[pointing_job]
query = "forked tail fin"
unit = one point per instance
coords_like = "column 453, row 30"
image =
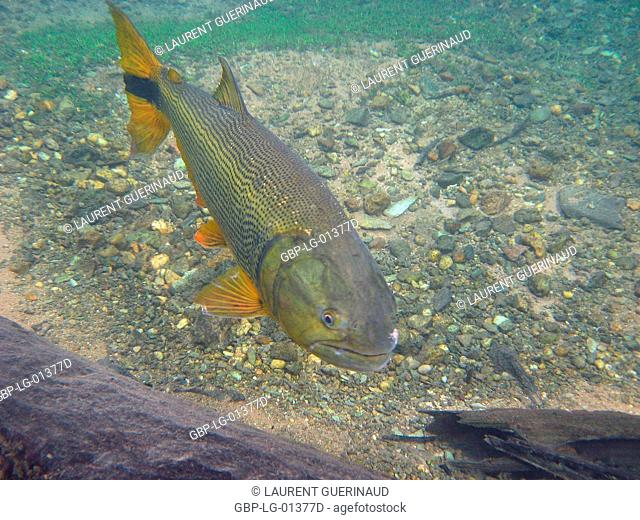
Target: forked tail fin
column 148, row 126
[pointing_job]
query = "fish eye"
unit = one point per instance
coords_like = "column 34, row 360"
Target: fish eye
column 329, row 318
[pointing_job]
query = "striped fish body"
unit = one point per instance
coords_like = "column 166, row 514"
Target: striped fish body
column 254, row 186
column 263, row 199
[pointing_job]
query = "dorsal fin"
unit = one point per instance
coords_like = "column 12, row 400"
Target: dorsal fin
column 228, row 92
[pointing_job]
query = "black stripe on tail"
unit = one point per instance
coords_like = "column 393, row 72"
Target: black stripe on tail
column 143, row 88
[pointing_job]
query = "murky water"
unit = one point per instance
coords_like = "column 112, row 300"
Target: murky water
column 489, row 153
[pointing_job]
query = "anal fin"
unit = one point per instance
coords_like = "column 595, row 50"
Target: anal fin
column 232, row 295
column 210, row 235
column 199, row 200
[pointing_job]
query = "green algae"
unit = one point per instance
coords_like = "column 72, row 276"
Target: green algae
column 58, row 58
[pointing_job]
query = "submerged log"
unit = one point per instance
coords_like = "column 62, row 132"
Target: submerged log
column 542, row 443
column 86, row 422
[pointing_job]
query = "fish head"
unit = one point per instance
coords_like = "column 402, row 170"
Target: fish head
column 334, row 302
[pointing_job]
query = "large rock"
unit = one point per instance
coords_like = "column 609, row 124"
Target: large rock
column 478, row 138
column 601, row 209
column 87, row 422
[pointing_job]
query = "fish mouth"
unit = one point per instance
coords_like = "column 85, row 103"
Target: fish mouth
column 343, row 357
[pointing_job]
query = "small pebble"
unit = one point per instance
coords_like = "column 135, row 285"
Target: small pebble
column 182, row 323
column 278, row 363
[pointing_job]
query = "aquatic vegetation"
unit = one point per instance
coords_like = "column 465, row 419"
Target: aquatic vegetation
column 63, row 52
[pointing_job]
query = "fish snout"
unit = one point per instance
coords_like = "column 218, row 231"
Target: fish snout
column 394, row 338
column 382, row 343
column 372, row 357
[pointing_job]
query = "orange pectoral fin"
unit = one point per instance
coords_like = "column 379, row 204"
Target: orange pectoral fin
column 210, row 235
column 232, row 295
